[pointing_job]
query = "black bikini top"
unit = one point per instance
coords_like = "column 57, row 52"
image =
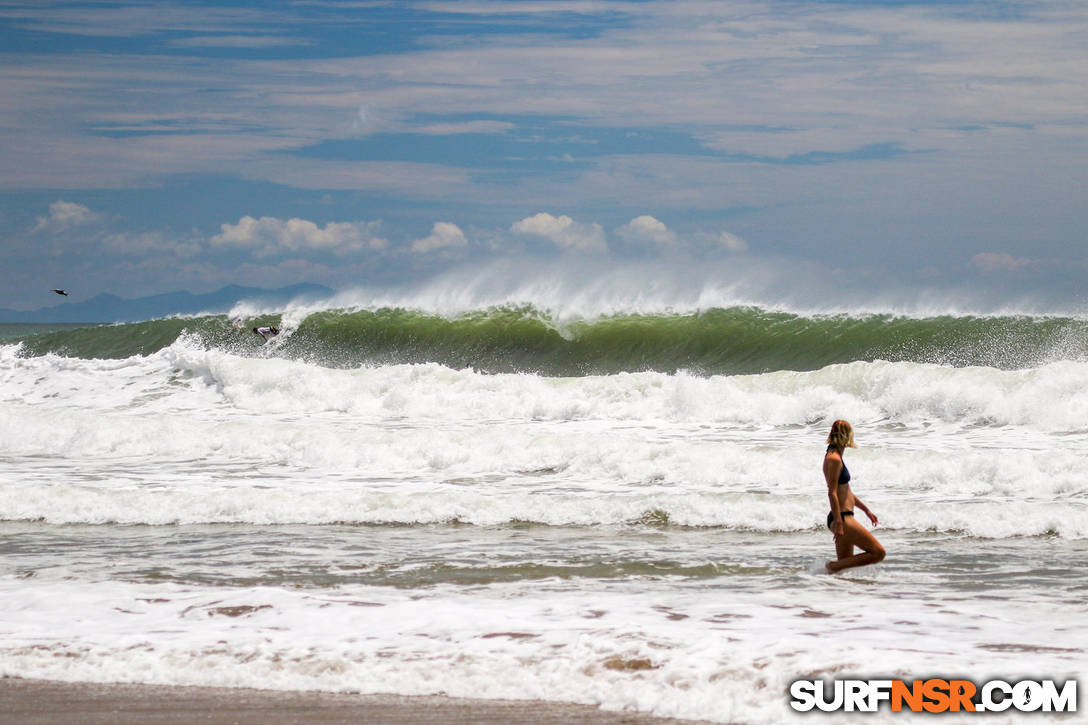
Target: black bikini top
column 844, row 474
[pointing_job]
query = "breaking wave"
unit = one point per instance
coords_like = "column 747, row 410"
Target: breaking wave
column 735, row 340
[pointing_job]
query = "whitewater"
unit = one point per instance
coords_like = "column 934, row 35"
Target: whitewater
column 621, row 508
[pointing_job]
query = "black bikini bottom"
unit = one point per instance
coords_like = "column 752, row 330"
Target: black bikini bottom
column 831, row 516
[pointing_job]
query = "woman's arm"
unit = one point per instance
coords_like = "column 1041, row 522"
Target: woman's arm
column 858, row 503
column 832, row 468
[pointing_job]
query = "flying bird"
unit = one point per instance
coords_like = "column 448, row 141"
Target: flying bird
column 60, row 292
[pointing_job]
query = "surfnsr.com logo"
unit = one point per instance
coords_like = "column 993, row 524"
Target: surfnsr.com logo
column 934, row 695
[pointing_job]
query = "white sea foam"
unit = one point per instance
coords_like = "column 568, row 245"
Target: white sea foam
column 726, row 656
column 279, row 441
column 361, row 503
column 1050, row 399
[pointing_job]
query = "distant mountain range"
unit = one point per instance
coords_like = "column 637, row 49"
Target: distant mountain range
column 111, row 308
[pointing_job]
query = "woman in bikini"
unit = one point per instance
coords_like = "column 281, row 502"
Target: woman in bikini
column 847, row 530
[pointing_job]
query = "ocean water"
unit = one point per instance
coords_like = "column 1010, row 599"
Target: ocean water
column 621, row 508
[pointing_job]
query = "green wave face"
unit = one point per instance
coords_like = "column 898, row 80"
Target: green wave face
column 720, row 341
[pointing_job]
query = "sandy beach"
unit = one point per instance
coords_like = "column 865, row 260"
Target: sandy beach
column 41, row 702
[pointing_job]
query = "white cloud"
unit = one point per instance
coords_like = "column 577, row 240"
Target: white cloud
column 64, row 215
column 127, row 20
column 732, row 242
column 451, row 129
column 421, row 181
column 991, row 262
column 236, row 41
column 268, row 236
column 126, row 243
column 646, row 231
column 444, row 235
column 563, row 232
column 505, row 8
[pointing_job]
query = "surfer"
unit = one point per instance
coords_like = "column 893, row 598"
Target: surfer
column 60, row 292
column 266, row 332
column 847, row 530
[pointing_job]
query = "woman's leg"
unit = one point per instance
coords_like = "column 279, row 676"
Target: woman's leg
column 854, row 534
column 843, row 546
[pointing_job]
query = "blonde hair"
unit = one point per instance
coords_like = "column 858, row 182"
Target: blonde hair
column 841, row 435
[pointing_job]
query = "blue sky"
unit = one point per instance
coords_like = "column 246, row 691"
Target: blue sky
column 929, row 146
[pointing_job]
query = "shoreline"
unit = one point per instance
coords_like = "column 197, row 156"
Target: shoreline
column 44, row 702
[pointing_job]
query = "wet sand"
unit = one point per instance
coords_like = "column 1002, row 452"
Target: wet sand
column 41, row 702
